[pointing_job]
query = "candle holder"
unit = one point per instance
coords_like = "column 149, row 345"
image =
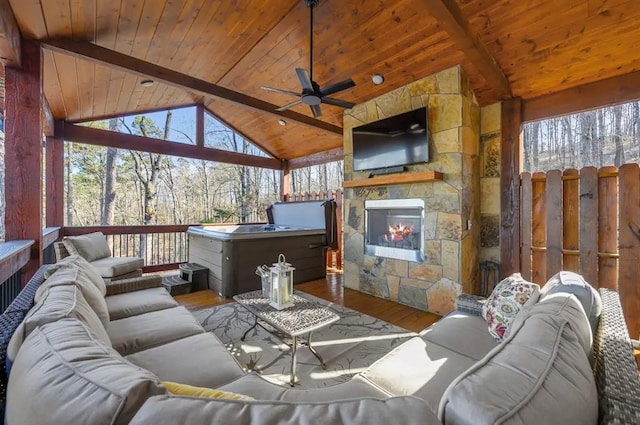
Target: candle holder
column 281, row 279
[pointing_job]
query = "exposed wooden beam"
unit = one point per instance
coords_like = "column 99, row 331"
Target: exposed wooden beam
column 23, row 153
column 319, row 158
column 511, row 117
column 48, row 123
column 94, row 136
column 450, row 17
column 54, row 166
column 139, row 67
column 285, row 181
column 200, row 125
column 611, row 91
column 10, row 38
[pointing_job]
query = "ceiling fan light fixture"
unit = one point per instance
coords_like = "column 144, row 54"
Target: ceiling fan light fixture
column 147, row 83
column 282, row 122
column 377, row 79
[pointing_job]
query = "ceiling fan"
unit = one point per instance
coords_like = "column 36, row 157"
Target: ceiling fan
column 311, row 93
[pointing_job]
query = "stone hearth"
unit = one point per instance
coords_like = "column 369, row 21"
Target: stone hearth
column 452, row 206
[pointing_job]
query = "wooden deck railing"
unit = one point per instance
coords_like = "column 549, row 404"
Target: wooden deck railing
column 587, row 221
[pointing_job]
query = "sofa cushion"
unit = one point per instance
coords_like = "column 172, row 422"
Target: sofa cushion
column 80, row 263
column 464, row 333
column 505, row 301
column 91, row 246
column 117, row 266
column 565, row 306
column 575, row 284
column 177, row 388
column 138, row 302
column 56, row 303
column 148, row 330
column 63, row 375
column 417, row 367
column 254, row 385
column 90, row 292
column 539, row 373
column 199, row 360
column 171, row 410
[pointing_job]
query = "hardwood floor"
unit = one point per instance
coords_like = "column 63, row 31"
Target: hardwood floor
column 331, row 289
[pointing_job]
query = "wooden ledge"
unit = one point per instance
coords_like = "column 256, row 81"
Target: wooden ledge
column 426, row 176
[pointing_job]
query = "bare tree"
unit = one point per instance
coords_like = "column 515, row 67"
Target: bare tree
column 106, row 218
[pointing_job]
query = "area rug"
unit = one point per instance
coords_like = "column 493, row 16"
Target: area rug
column 347, row 346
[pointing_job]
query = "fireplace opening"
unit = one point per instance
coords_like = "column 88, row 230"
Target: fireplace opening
column 394, row 229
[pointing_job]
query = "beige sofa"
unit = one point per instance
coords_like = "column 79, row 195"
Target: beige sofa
column 73, row 364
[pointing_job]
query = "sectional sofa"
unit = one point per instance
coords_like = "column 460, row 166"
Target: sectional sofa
column 81, row 352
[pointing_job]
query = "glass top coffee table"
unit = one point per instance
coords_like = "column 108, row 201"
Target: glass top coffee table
column 304, row 317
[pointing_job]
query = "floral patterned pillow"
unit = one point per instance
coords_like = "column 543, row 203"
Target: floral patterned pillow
column 506, row 300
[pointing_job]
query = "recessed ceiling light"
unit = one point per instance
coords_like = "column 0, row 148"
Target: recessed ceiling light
column 377, row 79
column 282, row 122
column 147, row 83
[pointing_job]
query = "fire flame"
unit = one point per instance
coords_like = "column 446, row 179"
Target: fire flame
column 398, row 232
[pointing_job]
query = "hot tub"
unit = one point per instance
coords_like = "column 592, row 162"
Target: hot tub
column 233, row 251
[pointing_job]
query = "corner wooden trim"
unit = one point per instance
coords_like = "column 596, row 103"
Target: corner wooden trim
column 426, row 176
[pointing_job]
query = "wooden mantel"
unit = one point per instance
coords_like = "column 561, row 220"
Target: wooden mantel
column 425, row 176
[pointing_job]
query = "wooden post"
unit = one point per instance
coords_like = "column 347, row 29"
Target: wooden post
column 285, row 181
column 54, row 182
column 510, row 187
column 23, row 153
column 199, row 125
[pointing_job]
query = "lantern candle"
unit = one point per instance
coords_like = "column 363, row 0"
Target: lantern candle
column 281, row 277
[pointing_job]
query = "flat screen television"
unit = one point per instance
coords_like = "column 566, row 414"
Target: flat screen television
column 391, row 142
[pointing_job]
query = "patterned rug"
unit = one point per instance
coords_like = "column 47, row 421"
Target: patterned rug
column 347, row 346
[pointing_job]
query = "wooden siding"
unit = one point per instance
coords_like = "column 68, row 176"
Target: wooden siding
column 585, row 221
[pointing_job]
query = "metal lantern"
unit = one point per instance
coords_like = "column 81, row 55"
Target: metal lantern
column 281, row 279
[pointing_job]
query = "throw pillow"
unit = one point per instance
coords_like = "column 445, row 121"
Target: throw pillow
column 506, row 300
column 573, row 283
column 202, row 392
column 92, row 246
column 81, row 264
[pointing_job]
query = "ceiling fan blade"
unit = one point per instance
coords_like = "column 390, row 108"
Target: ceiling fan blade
column 337, row 102
column 317, row 112
column 335, row 88
column 272, row 90
column 289, row 105
column 305, row 80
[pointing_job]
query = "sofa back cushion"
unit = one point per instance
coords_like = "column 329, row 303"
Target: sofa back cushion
column 79, row 263
column 171, row 410
column 58, row 302
column 82, row 280
column 573, row 283
column 64, row 375
column 539, row 373
column 92, row 246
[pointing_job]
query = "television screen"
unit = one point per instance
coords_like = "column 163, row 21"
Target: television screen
column 399, row 140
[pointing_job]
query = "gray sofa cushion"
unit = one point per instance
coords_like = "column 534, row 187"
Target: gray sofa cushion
column 464, row 333
column 171, row 410
column 539, row 371
column 81, row 279
column 148, row 330
column 419, row 368
column 254, row 385
column 117, row 266
column 58, row 302
column 91, row 246
column 80, row 263
column 138, row 302
column 200, row 360
column 63, row 375
column 573, row 283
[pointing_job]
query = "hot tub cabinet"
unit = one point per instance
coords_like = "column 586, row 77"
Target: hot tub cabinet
column 232, row 253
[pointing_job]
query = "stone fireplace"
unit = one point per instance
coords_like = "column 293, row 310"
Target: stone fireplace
column 394, row 229
column 417, row 242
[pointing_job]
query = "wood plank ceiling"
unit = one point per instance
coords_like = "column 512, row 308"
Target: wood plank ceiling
column 542, row 46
